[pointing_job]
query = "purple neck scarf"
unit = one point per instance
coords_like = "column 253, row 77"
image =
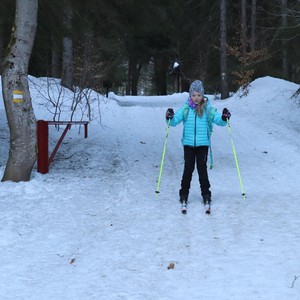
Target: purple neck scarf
column 191, row 103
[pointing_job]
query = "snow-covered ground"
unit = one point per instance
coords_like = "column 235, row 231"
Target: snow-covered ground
column 93, row 227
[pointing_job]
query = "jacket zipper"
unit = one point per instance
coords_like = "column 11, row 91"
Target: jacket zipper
column 195, row 130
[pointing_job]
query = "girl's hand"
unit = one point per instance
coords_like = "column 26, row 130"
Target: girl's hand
column 169, row 114
column 226, row 114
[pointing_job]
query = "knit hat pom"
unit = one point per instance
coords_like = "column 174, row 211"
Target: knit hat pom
column 197, row 86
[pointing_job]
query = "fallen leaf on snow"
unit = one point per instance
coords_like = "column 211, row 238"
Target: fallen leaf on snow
column 171, row 266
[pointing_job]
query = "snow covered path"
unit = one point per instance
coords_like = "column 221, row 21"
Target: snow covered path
column 93, row 228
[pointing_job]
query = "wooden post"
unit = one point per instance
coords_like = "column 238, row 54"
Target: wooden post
column 43, row 159
column 42, row 142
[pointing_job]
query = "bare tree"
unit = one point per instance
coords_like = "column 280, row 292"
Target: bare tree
column 16, row 95
column 223, row 39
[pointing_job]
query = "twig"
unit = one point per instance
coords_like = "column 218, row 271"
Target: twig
column 296, row 277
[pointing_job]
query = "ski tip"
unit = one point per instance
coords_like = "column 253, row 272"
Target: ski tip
column 156, row 192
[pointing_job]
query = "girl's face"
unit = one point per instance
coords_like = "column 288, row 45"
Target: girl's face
column 196, row 97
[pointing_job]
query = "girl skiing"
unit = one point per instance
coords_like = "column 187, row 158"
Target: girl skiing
column 198, row 117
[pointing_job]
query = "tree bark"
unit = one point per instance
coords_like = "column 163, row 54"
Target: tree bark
column 223, row 40
column 16, row 95
column 1, row 51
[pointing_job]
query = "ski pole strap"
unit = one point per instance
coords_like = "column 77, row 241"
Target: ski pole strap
column 162, row 158
column 236, row 161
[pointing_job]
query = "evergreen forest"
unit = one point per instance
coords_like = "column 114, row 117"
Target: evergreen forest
column 157, row 47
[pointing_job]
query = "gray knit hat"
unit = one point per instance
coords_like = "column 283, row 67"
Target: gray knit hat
column 197, row 86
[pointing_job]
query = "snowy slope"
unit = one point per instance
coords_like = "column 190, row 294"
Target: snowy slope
column 93, row 228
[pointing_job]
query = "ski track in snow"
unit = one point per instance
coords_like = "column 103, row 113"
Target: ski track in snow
column 93, row 228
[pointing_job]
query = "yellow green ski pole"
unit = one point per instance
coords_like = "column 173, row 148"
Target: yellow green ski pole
column 236, row 160
column 162, row 158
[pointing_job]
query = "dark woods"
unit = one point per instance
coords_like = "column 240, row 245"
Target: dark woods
column 158, row 46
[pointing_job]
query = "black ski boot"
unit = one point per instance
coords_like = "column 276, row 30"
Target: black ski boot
column 206, row 199
column 183, row 200
column 207, row 202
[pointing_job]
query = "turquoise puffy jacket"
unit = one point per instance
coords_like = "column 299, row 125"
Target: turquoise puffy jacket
column 196, row 129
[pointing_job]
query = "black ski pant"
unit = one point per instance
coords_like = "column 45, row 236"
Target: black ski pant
column 194, row 155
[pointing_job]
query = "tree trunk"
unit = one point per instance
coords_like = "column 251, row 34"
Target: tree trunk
column 129, row 77
column 16, row 95
column 284, row 45
column 243, row 27
column 223, row 40
column 67, row 59
column 253, row 24
column 1, row 51
column 160, row 77
column 134, row 72
column 55, row 59
column 135, row 78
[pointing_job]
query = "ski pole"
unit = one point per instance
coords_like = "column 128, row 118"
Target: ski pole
column 210, row 153
column 236, row 160
column 162, row 158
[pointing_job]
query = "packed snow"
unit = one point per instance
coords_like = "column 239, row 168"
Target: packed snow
column 94, row 228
